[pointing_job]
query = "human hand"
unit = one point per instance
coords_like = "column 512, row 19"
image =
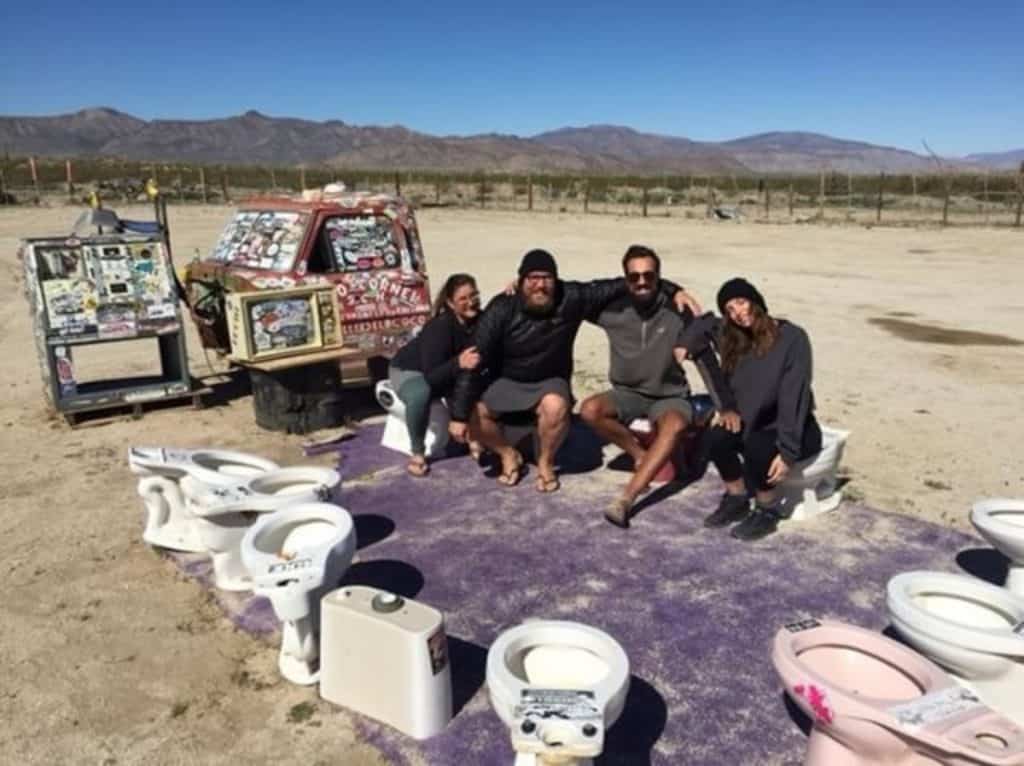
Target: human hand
column 684, row 300
column 511, row 287
column 729, row 420
column 469, row 358
column 458, row 431
column 680, row 354
column 778, row 470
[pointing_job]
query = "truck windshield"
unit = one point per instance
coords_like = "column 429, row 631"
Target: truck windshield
column 262, row 239
column 362, row 242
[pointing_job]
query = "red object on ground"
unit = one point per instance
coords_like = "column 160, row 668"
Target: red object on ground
column 678, row 465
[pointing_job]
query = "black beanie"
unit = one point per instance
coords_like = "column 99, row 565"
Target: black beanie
column 738, row 287
column 538, row 260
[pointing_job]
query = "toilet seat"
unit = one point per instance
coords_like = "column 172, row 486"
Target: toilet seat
column 536, row 708
column 909, row 711
column 293, row 557
column 209, row 465
column 289, row 548
column 267, row 492
column 904, row 589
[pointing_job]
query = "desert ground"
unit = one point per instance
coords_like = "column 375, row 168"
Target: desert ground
column 108, row 655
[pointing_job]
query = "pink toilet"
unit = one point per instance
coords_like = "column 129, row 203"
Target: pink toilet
column 874, row 701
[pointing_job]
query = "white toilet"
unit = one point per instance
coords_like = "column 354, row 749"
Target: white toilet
column 1001, row 522
column 169, row 523
column 811, row 487
column 396, row 434
column 971, row 628
column 294, row 556
column 558, row 686
column 224, row 513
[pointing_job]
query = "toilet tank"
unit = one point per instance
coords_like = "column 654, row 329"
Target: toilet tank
column 386, row 657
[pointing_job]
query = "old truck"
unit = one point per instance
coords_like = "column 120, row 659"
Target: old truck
column 366, row 246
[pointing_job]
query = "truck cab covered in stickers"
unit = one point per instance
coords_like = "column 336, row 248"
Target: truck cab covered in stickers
column 365, row 245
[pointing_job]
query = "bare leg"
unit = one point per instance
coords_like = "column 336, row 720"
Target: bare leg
column 552, row 428
column 485, row 428
column 764, row 497
column 599, row 413
column 670, row 427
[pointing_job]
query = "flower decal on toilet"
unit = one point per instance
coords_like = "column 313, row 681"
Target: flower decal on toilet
column 816, row 699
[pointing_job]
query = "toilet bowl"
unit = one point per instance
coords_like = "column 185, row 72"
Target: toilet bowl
column 974, row 630
column 293, row 557
column 169, row 523
column 683, row 459
column 224, row 513
column 1001, row 522
column 875, row 701
column 812, row 487
column 396, row 433
column 558, row 686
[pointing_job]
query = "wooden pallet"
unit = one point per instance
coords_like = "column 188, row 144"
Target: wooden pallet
column 136, row 409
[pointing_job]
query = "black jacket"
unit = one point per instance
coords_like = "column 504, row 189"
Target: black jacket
column 435, row 352
column 529, row 348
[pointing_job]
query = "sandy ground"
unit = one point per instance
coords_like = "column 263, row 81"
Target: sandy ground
column 108, row 656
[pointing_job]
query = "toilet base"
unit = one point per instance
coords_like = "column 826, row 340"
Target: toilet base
column 168, row 524
column 808, row 505
column 299, row 659
column 396, row 435
column 1015, row 579
column 229, row 573
column 173, row 539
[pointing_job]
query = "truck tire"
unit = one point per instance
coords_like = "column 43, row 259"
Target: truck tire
column 298, row 400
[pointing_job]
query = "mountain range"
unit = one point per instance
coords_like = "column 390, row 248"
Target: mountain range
column 255, row 138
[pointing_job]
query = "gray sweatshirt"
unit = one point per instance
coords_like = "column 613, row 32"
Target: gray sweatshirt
column 771, row 391
column 641, row 347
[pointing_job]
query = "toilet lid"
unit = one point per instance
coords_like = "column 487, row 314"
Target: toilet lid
column 980, row 603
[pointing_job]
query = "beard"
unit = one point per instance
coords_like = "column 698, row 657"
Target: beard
column 538, row 303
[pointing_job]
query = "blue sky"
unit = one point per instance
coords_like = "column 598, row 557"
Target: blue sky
column 892, row 73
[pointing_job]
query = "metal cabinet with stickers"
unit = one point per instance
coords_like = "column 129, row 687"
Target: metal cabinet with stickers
column 103, row 289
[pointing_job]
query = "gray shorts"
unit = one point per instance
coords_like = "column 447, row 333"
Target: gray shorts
column 630, row 405
column 504, row 395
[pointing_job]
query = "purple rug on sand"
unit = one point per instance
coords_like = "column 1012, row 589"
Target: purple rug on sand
column 694, row 609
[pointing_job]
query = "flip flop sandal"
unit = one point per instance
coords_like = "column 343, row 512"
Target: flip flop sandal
column 513, row 477
column 418, row 468
column 547, row 486
column 618, row 512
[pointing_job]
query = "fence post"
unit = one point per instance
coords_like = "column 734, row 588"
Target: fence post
column 1020, row 194
column 821, row 196
column 3, row 193
column 35, row 177
column 70, row 180
column 586, row 197
column 643, row 199
column 881, row 186
column 767, row 202
column 437, row 192
column 948, row 186
column 398, row 184
column 984, row 195
column 224, row 185
column 179, row 189
column 202, row 183
column 790, row 200
column 913, row 183
column 483, row 192
column 529, row 193
column 849, row 197
column 551, row 199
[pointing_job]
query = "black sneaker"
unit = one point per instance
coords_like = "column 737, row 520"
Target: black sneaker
column 760, row 523
column 731, row 508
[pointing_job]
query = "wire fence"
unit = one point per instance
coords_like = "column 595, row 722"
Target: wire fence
column 946, row 198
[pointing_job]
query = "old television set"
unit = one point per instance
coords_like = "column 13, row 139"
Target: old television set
column 268, row 324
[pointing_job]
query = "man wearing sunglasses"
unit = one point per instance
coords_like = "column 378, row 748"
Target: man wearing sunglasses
column 644, row 330
column 525, row 339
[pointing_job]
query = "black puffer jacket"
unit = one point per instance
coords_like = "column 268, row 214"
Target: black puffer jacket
column 529, row 348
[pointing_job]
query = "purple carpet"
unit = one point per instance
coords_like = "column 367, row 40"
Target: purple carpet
column 694, row 609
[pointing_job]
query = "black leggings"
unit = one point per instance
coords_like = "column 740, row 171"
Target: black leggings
column 758, row 449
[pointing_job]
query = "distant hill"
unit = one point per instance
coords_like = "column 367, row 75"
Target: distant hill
column 789, row 152
column 255, row 138
column 1011, row 160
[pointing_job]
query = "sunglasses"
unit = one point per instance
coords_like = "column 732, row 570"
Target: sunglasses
column 635, row 277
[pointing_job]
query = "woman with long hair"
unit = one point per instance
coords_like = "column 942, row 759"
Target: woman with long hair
column 425, row 368
column 767, row 363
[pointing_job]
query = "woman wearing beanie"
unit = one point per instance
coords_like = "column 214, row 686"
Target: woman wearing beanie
column 767, row 362
column 426, row 367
